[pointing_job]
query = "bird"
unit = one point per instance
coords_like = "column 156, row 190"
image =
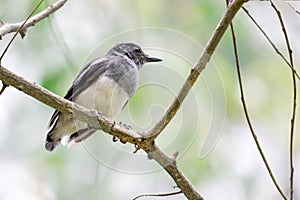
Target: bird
column 105, row 84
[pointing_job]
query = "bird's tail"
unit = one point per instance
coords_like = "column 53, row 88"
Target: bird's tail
column 69, row 140
column 79, row 136
column 51, row 144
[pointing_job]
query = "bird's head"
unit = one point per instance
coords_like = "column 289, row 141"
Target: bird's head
column 133, row 52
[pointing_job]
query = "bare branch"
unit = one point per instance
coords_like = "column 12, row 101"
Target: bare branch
column 290, row 52
column 248, row 117
column 10, row 28
column 157, row 195
column 297, row 11
column 4, row 86
column 272, row 44
column 20, row 30
column 195, row 71
column 170, row 166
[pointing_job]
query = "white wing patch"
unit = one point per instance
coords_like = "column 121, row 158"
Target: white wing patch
column 53, row 125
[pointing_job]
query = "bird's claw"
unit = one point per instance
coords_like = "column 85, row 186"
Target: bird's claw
column 115, row 138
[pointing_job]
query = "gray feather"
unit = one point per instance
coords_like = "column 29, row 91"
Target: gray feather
column 104, row 84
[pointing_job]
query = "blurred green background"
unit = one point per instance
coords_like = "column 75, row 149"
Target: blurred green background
column 216, row 151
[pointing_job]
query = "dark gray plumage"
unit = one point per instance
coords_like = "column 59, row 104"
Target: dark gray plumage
column 105, row 84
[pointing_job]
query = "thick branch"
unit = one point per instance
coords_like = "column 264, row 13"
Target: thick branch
column 195, row 72
column 170, row 166
column 10, row 28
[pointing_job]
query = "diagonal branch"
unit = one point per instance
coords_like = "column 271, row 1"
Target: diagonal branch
column 20, row 30
column 195, row 71
column 4, row 86
column 243, row 100
column 297, row 11
column 290, row 52
column 14, row 27
column 271, row 43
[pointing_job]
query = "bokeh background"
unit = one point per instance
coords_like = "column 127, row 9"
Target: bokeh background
column 216, row 150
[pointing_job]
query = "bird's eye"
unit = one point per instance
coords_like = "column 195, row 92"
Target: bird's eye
column 137, row 51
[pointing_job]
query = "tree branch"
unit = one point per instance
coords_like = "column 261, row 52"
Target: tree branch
column 14, row 27
column 20, row 30
column 297, row 11
column 243, row 100
column 170, row 166
column 157, row 195
column 195, row 71
column 271, row 43
column 4, row 86
column 293, row 118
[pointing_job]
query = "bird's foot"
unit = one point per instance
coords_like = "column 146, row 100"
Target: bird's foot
column 115, row 139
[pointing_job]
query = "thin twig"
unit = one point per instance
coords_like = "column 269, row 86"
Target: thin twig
column 21, row 29
column 14, row 27
column 248, row 117
column 157, row 195
column 290, row 52
column 297, row 11
column 195, row 72
column 4, row 86
column 272, row 44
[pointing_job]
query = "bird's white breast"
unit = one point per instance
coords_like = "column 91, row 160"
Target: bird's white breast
column 105, row 95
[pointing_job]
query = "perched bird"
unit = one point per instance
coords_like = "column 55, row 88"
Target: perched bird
column 105, row 84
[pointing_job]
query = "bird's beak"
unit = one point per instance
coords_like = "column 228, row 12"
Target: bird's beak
column 151, row 59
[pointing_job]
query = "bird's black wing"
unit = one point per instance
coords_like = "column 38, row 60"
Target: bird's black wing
column 85, row 78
